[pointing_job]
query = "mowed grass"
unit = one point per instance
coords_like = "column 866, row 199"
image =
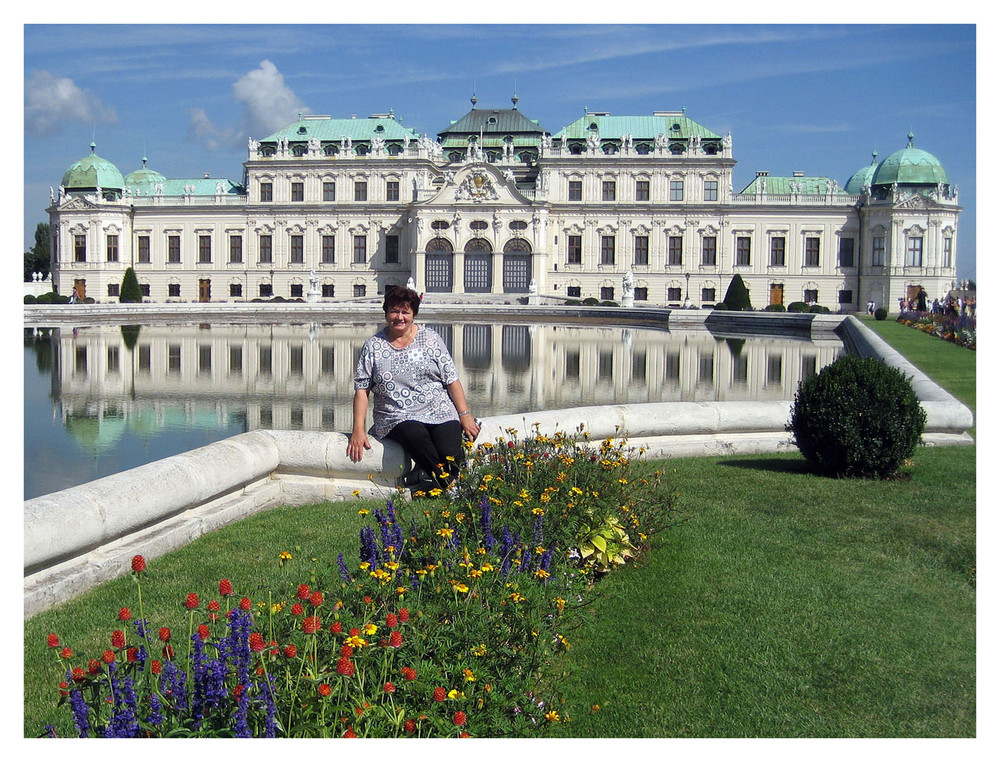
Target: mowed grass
column 785, row 605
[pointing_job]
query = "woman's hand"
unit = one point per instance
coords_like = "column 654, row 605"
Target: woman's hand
column 469, row 426
column 357, row 444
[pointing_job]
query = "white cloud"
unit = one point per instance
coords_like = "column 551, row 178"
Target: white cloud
column 268, row 103
column 50, row 102
column 202, row 130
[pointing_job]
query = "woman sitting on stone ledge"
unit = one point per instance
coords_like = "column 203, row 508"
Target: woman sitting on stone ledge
column 419, row 401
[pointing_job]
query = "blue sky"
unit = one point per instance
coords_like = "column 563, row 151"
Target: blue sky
column 812, row 97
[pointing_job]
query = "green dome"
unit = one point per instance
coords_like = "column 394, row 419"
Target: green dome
column 92, row 172
column 910, row 166
column 863, row 177
column 144, row 178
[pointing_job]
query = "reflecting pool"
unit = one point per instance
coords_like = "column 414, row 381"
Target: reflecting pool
column 102, row 399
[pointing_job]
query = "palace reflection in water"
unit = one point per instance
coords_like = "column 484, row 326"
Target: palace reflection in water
column 231, row 378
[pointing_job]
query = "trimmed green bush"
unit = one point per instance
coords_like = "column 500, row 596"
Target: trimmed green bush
column 592, row 301
column 30, row 299
column 130, row 291
column 774, row 308
column 881, row 314
column 737, row 296
column 858, row 417
column 721, row 306
column 819, row 309
column 798, row 307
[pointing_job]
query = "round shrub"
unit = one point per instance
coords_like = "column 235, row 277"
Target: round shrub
column 30, row 299
column 774, row 308
column 881, row 314
column 819, row 309
column 592, row 301
column 798, row 307
column 858, row 417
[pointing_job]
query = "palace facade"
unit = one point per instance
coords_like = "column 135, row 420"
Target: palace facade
column 607, row 207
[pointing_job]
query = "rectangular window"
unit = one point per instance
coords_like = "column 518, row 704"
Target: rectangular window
column 708, row 250
column 205, row 359
column 205, row 248
column 265, row 249
column 266, row 290
column 328, row 250
column 777, row 251
column 144, row 289
column 607, row 294
column 298, row 191
column 360, row 249
column 676, row 190
column 295, row 291
column 295, row 364
column 79, row 248
column 144, row 249
column 708, row 295
column 113, row 289
column 174, row 289
column 576, row 190
column 174, row 249
column 235, row 249
column 236, row 359
column 845, row 297
column 642, row 250
column 327, row 289
column 641, row 293
column 878, row 251
column 297, row 250
column 743, row 251
column 573, row 291
column 812, row 252
column 674, row 294
column 266, row 192
column 915, row 251
column 607, row 249
column 392, row 249
column 573, row 363
column 574, row 249
column 360, row 290
column 327, row 355
column 846, row 252
column 642, row 190
column 173, row 358
column 608, row 190
column 329, row 190
column 392, row 190
column 112, row 248
column 711, row 190
column 236, row 289
column 360, row 190
column 810, row 295
column 946, row 253
column 264, row 358
column 675, row 250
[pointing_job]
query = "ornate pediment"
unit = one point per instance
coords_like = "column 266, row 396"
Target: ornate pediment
column 76, row 204
column 478, row 184
column 916, row 201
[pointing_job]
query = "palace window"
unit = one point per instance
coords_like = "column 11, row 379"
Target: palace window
column 174, row 249
column 112, row 248
column 878, row 251
column 576, row 190
column 778, row 251
column 641, row 250
column 173, row 289
column 846, row 252
column 708, row 295
column 265, row 249
column 711, row 190
column 946, row 252
column 266, row 290
column 608, row 190
column 329, row 190
column 298, row 191
column 360, row 249
column 360, row 290
column 674, row 294
column 144, row 249
column 113, row 289
column 810, row 295
column 297, row 250
column 573, row 291
column 360, row 190
column 235, row 249
column 675, row 250
column 328, row 250
column 79, row 248
column 607, row 249
column 295, row 291
column 642, row 190
column 812, row 252
column 392, row 190
column 574, row 249
column 236, row 289
column 266, row 191
column 392, row 249
column 743, row 251
column 205, row 249
column 708, row 250
column 607, row 295
column 915, row 251
column 676, row 190
column 845, row 297
column 328, row 290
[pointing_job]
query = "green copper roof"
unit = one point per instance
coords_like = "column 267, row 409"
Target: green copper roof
column 493, row 122
column 670, row 124
column 910, row 166
column 144, row 177
column 786, row 186
column 326, row 128
column 92, row 172
column 863, row 177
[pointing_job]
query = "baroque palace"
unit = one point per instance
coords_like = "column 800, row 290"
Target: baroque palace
column 609, row 206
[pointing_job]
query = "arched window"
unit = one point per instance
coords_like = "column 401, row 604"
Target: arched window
column 478, row 245
column 439, row 244
column 517, row 246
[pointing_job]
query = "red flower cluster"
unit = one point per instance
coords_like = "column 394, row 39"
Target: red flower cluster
column 245, row 603
column 303, row 593
column 404, row 615
column 439, row 694
column 389, row 688
column 316, row 599
column 53, row 640
column 256, row 642
column 203, row 631
column 459, row 718
column 324, row 689
column 108, row 657
column 118, row 639
column 409, row 673
column 391, row 621
column 345, row 667
column 297, row 609
column 138, row 564
column 291, row 651
column 164, row 634
column 336, row 628
column 191, row 602
column 124, row 614
column 395, row 639
column 225, row 587
column 311, row 625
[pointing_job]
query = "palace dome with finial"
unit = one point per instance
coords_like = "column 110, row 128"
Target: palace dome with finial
column 910, row 166
column 92, row 172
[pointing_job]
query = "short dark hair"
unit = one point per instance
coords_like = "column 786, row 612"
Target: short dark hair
column 396, row 295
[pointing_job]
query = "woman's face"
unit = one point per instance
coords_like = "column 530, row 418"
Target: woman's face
column 399, row 317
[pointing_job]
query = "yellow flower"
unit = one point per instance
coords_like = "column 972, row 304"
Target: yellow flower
column 363, row 512
column 542, row 574
column 459, row 587
column 468, row 675
column 445, row 532
column 454, row 693
column 285, row 555
column 479, row 650
column 436, row 491
column 538, row 511
column 487, row 567
column 552, row 715
column 445, row 514
column 475, row 573
column 276, row 607
column 356, row 493
column 369, row 629
column 356, row 641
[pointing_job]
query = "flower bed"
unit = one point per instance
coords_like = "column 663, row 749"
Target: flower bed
column 443, row 626
column 958, row 329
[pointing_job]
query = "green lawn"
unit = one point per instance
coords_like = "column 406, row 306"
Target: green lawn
column 785, row 605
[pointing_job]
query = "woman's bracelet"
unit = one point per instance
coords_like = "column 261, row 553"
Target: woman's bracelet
column 466, row 412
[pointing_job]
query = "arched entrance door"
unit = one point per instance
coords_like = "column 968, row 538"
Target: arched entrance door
column 439, row 270
column 516, row 266
column 478, row 277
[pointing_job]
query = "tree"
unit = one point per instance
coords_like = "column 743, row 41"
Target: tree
column 130, row 291
column 737, row 296
column 38, row 257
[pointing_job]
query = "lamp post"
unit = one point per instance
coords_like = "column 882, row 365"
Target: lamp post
column 687, row 290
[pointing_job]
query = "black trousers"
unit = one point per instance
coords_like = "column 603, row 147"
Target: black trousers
column 429, row 446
